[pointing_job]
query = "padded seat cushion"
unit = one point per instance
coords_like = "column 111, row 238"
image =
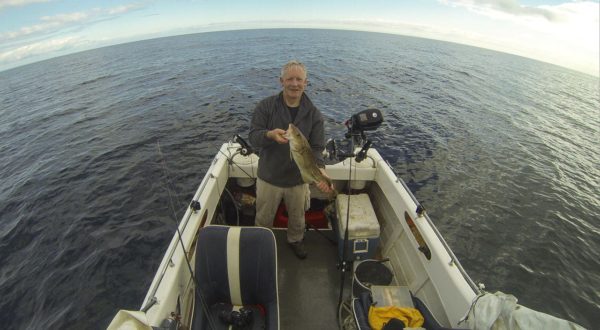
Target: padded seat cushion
column 236, row 266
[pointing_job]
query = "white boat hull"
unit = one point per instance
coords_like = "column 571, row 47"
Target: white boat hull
column 419, row 257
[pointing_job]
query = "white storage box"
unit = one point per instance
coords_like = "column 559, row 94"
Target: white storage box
column 391, row 296
column 363, row 232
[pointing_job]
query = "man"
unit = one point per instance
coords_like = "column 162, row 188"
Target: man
column 278, row 175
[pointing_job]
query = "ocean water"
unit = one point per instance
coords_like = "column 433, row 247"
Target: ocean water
column 502, row 151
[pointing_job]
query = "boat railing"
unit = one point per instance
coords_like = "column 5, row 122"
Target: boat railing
column 181, row 226
column 453, row 259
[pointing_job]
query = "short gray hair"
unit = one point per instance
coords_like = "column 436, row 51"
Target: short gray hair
column 290, row 64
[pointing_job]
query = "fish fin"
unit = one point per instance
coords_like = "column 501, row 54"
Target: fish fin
column 306, row 178
column 332, row 195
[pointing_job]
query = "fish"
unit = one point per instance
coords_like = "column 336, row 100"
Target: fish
column 303, row 156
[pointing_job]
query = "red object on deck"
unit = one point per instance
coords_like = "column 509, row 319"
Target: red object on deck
column 314, row 217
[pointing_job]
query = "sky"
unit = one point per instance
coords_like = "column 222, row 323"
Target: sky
column 561, row 32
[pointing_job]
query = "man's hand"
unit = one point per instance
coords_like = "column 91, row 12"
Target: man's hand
column 277, row 135
column 322, row 185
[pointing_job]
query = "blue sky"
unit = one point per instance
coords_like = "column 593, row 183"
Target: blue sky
column 562, row 32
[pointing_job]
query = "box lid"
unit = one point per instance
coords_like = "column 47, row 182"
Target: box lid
column 391, row 296
column 363, row 221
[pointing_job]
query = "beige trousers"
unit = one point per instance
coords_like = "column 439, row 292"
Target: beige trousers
column 296, row 199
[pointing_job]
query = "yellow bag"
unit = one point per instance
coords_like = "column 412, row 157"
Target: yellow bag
column 379, row 316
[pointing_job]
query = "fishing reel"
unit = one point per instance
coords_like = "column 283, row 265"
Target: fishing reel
column 366, row 120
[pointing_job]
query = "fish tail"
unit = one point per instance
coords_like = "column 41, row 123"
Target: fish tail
column 332, row 195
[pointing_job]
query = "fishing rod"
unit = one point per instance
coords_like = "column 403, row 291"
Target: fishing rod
column 343, row 263
column 366, row 120
column 210, row 318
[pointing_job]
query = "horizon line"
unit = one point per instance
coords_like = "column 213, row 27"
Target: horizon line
column 230, row 27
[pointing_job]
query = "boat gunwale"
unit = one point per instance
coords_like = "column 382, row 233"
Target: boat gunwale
column 222, row 160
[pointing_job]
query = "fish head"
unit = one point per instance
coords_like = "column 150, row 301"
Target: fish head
column 293, row 133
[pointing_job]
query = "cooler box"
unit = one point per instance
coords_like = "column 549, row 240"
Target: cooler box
column 363, row 232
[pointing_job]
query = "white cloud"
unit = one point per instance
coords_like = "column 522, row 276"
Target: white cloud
column 567, row 12
column 18, row 3
column 57, row 22
column 123, row 9
column 38, row 48
column 506, row 7
column 27, row 30
column 48, row 24
column 566, row 34
column 54, row 35
column 66, row 18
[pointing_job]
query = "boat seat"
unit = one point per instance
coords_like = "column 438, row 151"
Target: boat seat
column 236, row 268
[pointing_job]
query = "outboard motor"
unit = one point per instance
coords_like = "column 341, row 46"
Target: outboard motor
column 366, row 120
column 245, row 149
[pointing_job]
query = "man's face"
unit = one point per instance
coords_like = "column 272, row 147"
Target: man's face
column 293, row 82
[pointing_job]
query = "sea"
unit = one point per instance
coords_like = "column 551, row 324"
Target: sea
column 503, row 151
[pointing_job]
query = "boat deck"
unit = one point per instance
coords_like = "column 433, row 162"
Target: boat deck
column 309, row 288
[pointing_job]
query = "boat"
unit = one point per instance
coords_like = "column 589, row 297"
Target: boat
column 406, row 259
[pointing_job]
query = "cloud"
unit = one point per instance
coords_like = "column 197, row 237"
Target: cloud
column 123, row 9
column 566, row 34
column 506, row 7
column 574, row 25
column 66, row 18
column 50, row 24
column 18, row 3
column 52, row 35
column 38, row 48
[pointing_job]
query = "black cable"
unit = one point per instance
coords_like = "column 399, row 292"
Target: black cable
column 237, row 211
column 346, row 234
column 187, row 261
column 230, row 161
column 313, row 227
